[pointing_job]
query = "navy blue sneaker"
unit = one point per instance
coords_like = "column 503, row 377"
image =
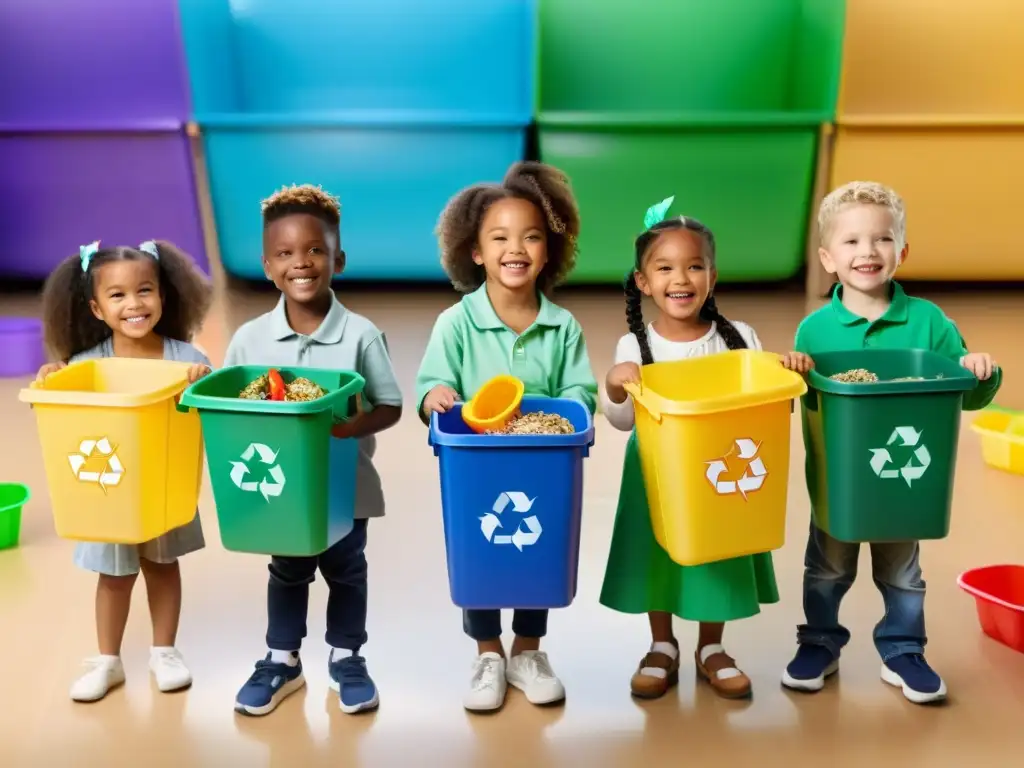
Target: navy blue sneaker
column 269, row 685
column 356, row 691
column 920, row 683
column 809, row 668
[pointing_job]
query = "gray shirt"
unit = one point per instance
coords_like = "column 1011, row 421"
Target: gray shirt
column 179, row 351
column 344, row 341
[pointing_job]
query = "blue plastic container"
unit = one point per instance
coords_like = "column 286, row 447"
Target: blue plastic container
column 512, row 507
column 393, row 105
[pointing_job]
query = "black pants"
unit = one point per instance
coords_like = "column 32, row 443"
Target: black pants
column 343, row 567
column 486, row 625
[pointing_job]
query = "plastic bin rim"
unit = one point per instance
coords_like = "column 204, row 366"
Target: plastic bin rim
column 970, row 589
column 660, row 120
column 37, row 394
column 956, row 383
column 981, row 429
column 580, row 439
column 189, row 398
column 26, row 495
column 363, row 118
column 764, row 396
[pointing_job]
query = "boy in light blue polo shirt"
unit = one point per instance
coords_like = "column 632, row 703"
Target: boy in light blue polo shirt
column 309, row 327
column 863, row 238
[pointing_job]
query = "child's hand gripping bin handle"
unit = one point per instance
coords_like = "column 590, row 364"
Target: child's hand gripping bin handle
column 645, row 401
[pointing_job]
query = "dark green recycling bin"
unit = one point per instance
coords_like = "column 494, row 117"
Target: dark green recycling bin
column 282, row 484
column 881, row 457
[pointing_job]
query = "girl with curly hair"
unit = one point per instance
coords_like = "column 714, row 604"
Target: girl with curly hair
column 506, row 246
column 144, row 302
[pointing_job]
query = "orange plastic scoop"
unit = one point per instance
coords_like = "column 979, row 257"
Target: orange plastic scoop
column 495, row 405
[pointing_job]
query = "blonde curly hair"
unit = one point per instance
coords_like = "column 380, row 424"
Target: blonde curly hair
column 862, row 193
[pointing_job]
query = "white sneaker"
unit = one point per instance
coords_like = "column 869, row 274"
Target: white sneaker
column 103, row 673
column 531, row 673
column 169, row 670
column 487, row 686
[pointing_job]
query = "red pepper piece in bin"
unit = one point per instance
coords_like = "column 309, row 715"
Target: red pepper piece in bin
column 275, row 384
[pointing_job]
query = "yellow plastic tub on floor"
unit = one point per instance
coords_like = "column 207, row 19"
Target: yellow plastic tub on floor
column 123, row 464
column 1002, row 439
column 714, row 439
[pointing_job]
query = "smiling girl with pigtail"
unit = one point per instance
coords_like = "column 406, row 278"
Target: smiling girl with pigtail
column 675, row 266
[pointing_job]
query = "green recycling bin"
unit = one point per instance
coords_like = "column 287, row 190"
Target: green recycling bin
column 881, row 456
column 282, row 484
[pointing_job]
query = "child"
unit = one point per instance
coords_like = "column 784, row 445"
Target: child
column 309, row 327
column 144, row 302
column 505, row 246
column 675, row 266
column 863, row 241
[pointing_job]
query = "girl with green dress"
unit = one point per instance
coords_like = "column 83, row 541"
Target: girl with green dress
column 675, row 267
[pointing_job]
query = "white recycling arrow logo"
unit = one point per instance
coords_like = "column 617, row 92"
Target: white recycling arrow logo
column 520, row 538
column 753, row 477
column 272, row 484
column 105, row 468
column 907, row 437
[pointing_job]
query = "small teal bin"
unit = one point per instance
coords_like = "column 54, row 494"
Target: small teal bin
column 393, row 105
column 512, row 508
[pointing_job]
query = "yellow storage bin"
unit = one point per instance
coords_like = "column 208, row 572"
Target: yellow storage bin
column 960, row 185
column 1002, row 439
column 929, row 57
column 123, row 464
column 714, row 441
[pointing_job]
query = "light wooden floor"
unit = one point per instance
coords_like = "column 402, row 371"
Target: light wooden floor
column 420, row 658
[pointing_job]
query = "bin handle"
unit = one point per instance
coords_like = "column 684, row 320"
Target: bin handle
column 635, row 391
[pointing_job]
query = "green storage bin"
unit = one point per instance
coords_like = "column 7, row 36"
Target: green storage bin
column 13, row 496
column 719, row 104
column 282, row 484
column 881, row 457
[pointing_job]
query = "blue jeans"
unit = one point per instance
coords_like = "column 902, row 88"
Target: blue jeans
column 343, row 567
column 486, row 624
column 830, row 566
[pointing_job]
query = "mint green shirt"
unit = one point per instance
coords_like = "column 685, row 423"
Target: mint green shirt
column 470, row 345
column 908, row 323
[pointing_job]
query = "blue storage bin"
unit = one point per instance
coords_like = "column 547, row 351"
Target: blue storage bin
column 512, row 507
column 393, row 105
column 393, row 182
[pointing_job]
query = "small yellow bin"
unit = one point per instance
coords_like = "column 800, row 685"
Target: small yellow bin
column 123, row 464
column 1002, row 439
column 714, row 440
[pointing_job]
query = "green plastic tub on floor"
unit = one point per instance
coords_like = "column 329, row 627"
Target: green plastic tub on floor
column 718, row 103
column 13, row 496
column 282, row 484
column 881, row 457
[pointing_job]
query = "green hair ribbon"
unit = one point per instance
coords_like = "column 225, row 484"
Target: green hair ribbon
column 656, row 213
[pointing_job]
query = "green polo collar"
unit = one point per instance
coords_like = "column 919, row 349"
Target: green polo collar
column 896, row 313
column 329, row 332
column 481, row 311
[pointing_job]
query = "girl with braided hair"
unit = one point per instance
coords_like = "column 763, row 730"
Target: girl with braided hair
column 675, row 266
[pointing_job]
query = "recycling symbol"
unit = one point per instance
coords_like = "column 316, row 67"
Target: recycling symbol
column 753, row 477
column 527, row 532
column 96, row 462
column 272, row 483
column 914, row 469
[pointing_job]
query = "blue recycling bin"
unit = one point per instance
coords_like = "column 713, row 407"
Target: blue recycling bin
column 512, row 507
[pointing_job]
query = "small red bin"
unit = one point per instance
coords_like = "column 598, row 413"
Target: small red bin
column 998, row 591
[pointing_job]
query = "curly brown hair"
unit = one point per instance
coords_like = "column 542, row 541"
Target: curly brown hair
column 304, row 198
column 458, row 229
column 69, row 324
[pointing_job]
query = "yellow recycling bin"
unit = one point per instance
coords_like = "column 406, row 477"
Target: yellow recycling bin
column 714, row 438
column 123, row 464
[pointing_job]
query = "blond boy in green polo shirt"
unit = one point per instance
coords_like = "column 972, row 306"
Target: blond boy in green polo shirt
column 863, row 237
column 505, row 246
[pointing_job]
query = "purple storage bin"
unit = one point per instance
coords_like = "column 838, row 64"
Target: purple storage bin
column 90, row 64
column 21, row 346
column 60, row 190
